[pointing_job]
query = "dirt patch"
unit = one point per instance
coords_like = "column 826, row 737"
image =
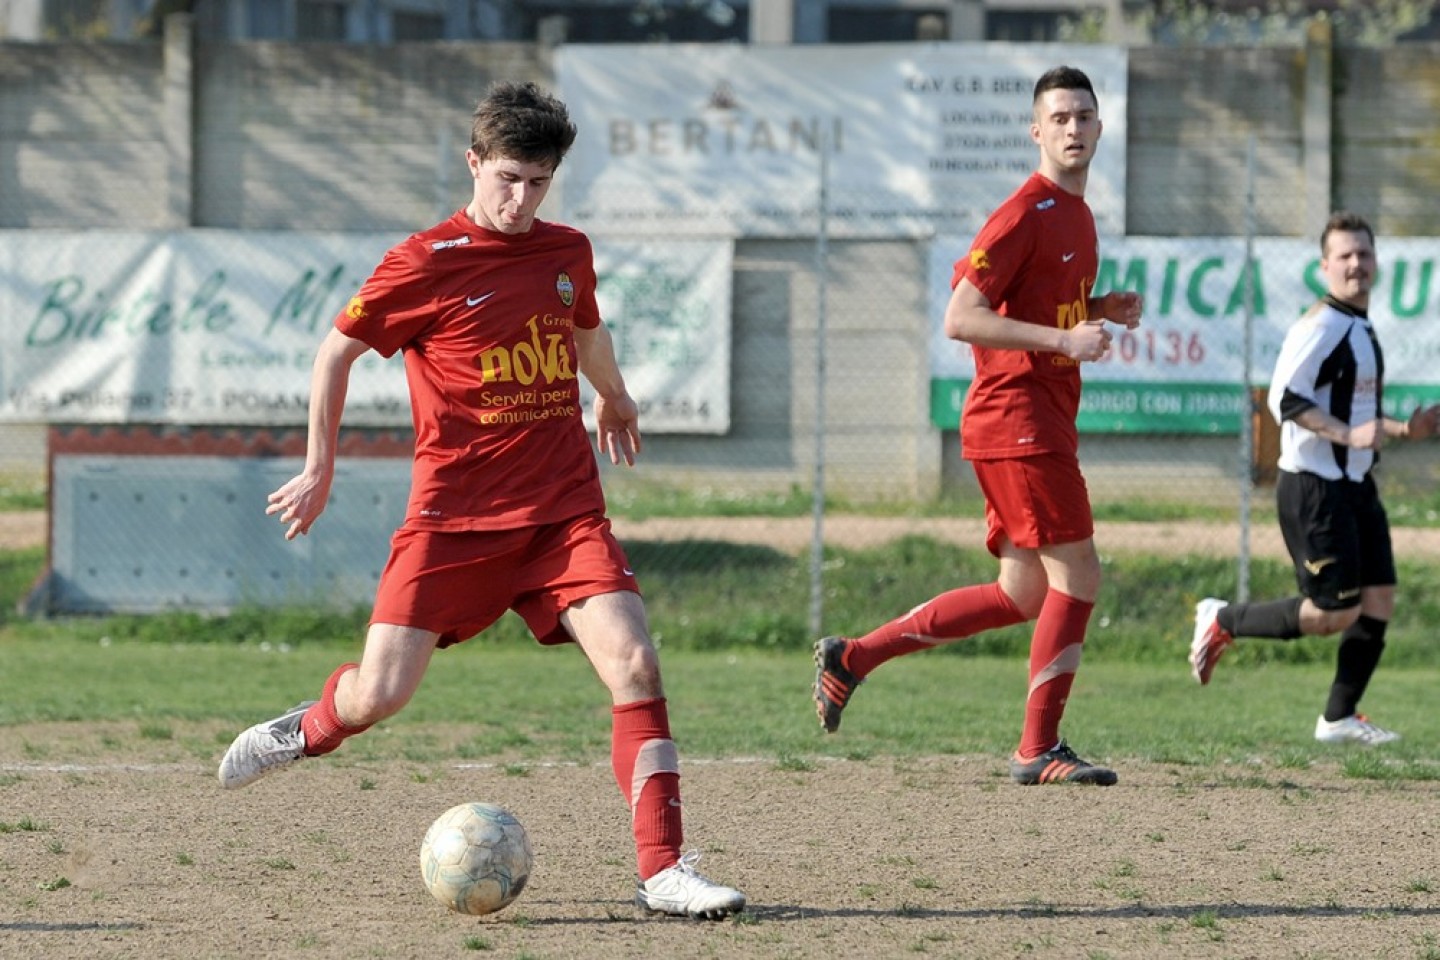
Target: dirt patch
column 876, row 859
column 1163, row 538
column 795, row 534
column 22, row 530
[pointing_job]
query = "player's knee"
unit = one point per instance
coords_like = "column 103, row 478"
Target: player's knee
column 1028, row 601
column 367, row 706
column 637, row 668
column 1335, row 621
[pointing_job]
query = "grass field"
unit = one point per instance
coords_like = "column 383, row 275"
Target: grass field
column 1231, row 834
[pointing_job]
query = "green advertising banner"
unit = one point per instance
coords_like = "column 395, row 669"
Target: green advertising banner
column 1184, row 368
column 1111, row 407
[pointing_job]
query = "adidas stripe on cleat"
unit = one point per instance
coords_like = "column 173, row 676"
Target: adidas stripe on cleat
column 1059, row 765
column 833, row 683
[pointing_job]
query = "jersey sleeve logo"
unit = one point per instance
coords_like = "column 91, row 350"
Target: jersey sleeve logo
column 566, row 288
column 355, row 309
column 980, row 259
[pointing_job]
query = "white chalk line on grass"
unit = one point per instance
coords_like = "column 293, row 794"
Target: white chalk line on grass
column 95, row 768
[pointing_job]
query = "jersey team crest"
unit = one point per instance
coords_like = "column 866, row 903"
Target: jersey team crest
column 565, row 288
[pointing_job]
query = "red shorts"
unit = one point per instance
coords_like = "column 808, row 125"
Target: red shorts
column 457, row 584
column 1034, row 501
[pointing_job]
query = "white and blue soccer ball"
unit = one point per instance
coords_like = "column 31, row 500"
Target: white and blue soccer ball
column 476, row 858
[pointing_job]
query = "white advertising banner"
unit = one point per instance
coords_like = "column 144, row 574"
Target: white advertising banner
column 1183, row 369
column 220, row 327
column 920, row 139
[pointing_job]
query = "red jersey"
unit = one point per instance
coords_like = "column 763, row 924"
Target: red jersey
column 485, row 321
column 1035, row 260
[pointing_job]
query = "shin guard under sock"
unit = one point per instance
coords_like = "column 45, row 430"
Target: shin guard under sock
column 647, row 769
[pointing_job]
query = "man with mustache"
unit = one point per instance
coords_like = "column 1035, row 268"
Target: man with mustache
column 1326, row 395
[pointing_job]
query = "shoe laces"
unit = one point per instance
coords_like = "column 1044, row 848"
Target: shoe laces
column 686, row 863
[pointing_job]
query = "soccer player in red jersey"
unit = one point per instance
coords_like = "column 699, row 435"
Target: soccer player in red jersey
column 1022, row 298
column 494, row 312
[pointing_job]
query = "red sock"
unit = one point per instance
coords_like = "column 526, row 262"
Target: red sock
column 324, row 730
column 1054, row 658
column 951, row 616
column 647, row 768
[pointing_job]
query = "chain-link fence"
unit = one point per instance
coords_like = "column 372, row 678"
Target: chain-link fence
column 775, row 297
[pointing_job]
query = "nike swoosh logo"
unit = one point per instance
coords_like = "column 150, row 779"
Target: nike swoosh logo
column 674, row 802
column 627, row 571
column 1313, row 567
column 476, row 301
column 1066, row 258
column 1347, row 594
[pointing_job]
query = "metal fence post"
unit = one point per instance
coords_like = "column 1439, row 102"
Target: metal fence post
column 822, row 270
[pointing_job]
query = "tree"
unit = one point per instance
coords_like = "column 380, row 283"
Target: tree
column 1374, row 23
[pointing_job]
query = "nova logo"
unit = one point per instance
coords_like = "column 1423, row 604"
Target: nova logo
column 528, row 361
column 1068, row 315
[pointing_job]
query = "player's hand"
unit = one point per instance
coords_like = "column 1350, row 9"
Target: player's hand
column 299, row 503
column 617, row 428
column 1424, row 422
column 1368, row 435
column 1087, row 341
column 1122, row 307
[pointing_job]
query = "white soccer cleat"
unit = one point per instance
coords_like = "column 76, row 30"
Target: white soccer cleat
column 265, row 748
column 1353, row 729
column 1210, row 639
column 681, row 892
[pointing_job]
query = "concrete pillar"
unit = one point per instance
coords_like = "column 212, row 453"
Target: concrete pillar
column 179, row 119
column 772, row 22
column 967, row 21
column 1317, row 133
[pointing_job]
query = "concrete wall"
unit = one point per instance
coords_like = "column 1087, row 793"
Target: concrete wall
column 344, row 137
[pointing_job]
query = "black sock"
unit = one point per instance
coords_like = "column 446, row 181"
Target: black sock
column 1272, row 620
column 1360, row 649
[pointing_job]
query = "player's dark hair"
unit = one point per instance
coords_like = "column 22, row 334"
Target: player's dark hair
column 1346, row 222
column 1064, row 78
column 519, row 121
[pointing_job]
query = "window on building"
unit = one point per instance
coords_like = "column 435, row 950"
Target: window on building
column 265, row 20
column 410, row 25
column 639, row 21
column 319, row 20
column 886, row 24
column 1023, row 26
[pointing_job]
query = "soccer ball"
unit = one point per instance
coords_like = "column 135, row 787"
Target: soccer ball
column 476, row 858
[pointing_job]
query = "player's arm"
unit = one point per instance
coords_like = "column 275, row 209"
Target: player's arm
column 1295, row 384
column 970, row 318
column 1420, row 425
column 617, row 416
column 301, row 500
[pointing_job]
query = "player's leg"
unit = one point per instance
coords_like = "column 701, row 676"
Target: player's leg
column 1045, row 510
column 611, row 629
column 353, row 698
column 841, row 663
column 1322, row 538
column 1073, row 574
column 1363, row 641
column 429, row 584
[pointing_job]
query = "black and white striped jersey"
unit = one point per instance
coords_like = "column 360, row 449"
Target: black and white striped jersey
column 1330, row 359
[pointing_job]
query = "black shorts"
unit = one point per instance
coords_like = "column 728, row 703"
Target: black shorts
column 1338, row 537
